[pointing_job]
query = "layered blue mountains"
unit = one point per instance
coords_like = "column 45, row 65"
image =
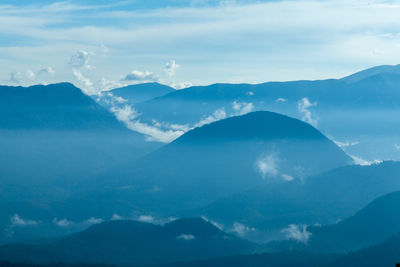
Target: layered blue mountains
column 298, row 173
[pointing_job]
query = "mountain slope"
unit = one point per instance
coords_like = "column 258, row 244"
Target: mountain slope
column 393, row 69
column 386, row 254
column 362, row 111
column 323, row 198
column 371, row 225
column 56, row 106
column 53, row 138
column 225, row 157
column 142, row 92
column 130, row 242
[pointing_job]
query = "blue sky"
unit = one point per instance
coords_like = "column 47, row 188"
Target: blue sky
column 98, row 45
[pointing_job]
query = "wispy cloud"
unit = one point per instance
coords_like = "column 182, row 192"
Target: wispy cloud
column 241, row 229
column 241, row 108
column 267, row 166
column 62, row 222
column 170, row 67
column 346, row 144
column 360, row 161
column 219, row 114
column 303, row 106
column 17, row 220
column 214, row 223
column 186, row 237
column 80, row 59
column 93, row 220
column 297, row 232
column 194, row 35
column 141, row 76
column 146, row 218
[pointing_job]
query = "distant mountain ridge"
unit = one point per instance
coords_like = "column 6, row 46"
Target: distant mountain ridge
column 369, row 99
column 55, row 106
column 373, row 224
column 323, row 198
column 142, row 92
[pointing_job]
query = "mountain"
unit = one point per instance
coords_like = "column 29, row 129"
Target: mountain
column 373, row 224
column 142, row 92
column 284, row 259
column 359, row 112
column 391, row 69
column 56, row 106
column 323, row 198
column 53, row 137
column 385, row 254
column 131, row 242
column 222, row 158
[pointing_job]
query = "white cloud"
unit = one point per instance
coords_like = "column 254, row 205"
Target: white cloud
column 160, row 132
column 116, row 217
column 360, row 161
column 303, row 107
column 241, row 229
column 250, row 93
column 346, row 144
column 62, row 222
column 93, row 220
column 297, row 232
column 214, row 223
column 280, row 100
column 141, row 76
column 17, row 220
column 16, row 77
column 46, row 71
column 219, row 114
column 80, row 59
column 30, row 75
column 170, row 67
column 180, row 85
column 287, row 177
column 242, row 108
column 267, row 166
column 186, row 237
column 146, row 218
column 397, row 147
column 199, row 32
column 85, row 83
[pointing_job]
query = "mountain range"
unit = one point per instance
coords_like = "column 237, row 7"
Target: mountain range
column 253, row 168
column 358, row 111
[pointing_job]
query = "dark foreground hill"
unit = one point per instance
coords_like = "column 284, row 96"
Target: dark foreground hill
column 131, row 242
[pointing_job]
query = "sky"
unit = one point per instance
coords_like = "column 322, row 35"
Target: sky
column 99, row 45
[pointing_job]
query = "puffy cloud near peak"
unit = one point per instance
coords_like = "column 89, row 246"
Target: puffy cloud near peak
column 141, row 76
column 297, row 232
column 79, row 59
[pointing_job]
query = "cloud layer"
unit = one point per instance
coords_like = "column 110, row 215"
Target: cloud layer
column 298, row 39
